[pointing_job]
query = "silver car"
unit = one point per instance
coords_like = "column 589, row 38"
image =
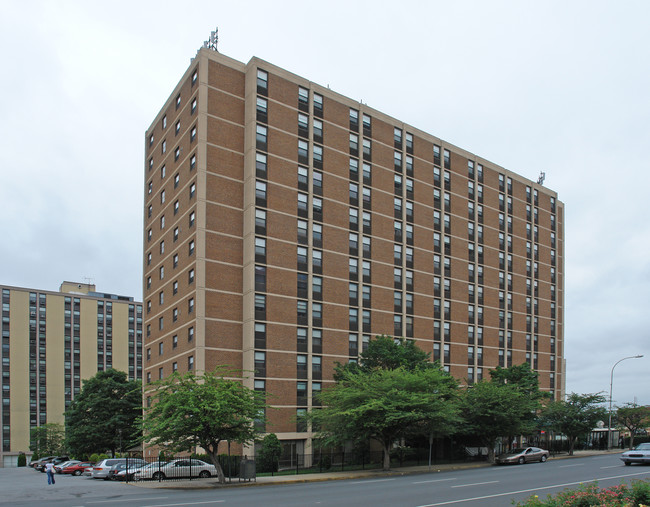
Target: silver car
column 101, row 469
column 176, row 469
column 523, row 455
column 640, row 454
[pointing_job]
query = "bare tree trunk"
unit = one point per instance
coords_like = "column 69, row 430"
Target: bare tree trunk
column 215, row 461
column 386, row 457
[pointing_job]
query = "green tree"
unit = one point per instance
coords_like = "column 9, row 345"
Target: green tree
column 387, row 353
column 491, row 410
column 633, row 418
column 575, row 417
column 526, row 381
column 104, row 415
column 269, row 454
column 47, row 440
column 202, row 410
column 383, row 405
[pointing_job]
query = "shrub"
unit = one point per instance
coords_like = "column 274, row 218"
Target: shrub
column 587, row 495
column 22, row 460
column 269, row 455
column 94, row 457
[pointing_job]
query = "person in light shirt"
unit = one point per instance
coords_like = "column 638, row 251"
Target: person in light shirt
column 49, row 470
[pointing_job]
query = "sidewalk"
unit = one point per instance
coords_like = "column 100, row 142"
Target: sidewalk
column 333, row 476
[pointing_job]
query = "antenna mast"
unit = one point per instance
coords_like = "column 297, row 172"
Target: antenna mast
column 213, row 41
column 542, row 176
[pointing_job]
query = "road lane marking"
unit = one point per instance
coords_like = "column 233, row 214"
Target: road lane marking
column 575, row 465
column 530, row 490
column 474, row 484
column 436, row 480
column 613, row 466
column 128, row 499
column 183, row 504
column 374, row 480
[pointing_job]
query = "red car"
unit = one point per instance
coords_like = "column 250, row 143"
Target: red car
column 77, row 469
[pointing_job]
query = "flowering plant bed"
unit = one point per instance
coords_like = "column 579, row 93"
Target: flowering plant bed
column 637, row 494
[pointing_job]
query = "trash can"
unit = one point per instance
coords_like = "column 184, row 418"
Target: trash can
column 247, row 470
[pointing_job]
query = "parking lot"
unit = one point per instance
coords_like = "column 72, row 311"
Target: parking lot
column 18, row 485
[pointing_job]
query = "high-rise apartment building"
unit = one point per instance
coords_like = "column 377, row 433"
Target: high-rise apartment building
column 51, row 342
column 286, row 225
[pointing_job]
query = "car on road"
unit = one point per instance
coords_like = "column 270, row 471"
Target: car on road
column 175, row 469
column 522, row 455
column 640, row 454
column 77, row 468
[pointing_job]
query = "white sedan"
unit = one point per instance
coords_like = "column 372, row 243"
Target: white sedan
column 175, row 469
column 640, row 454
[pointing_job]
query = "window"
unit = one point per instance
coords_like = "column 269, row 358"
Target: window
column 260, row 249
column 161, row 272
column 260, row 192
column 303, row 151
column 262, row 81
column 190, row 305
column 303, row 98
column 318, row 130
column 318, row 104
column 354, row 144
column 261, row 136
column 192, row 135
column 175, row 315
column 178, row 101
column 192, row 190
column 191, row 247
column 367, row 149
column 190, row 334
column 190, row 276
column 354, row 119
column 178, row 127
column 175, row 287
column 193, row 107
column 162, row 197
column 260, row 164
column 190, row 363
column 176, row 207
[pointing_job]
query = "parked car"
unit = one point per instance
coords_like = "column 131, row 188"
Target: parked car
column 523, row 455
column 175, row 469
column 77, row 468
column 640, row 454
column 101, row 469
column 35, row 463
column 55, row 461
column 61, row 466
column 121, row 472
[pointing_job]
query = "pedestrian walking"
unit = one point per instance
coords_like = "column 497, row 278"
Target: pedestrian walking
column 49, row 470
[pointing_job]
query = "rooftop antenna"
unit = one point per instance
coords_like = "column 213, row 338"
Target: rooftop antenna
column 542, row 176
column 213, row 41
column 88, row 280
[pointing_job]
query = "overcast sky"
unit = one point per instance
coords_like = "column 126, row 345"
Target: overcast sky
column 555, row 86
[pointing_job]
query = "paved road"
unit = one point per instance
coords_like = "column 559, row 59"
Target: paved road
column 484, row 487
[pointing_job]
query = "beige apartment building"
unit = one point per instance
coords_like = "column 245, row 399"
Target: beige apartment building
column 286, row 225
column 51, row 342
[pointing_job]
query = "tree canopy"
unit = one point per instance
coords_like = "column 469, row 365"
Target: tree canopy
column 633, row 418
column 47, row 440
column 385, row 404
column 575, row 417
column 387, row 353
column 103, row 416
column 202, row 410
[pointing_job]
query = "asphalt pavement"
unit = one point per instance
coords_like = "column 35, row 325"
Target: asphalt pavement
column 333, row 476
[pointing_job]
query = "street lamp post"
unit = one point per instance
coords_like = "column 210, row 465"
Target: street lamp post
column 611, row 384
